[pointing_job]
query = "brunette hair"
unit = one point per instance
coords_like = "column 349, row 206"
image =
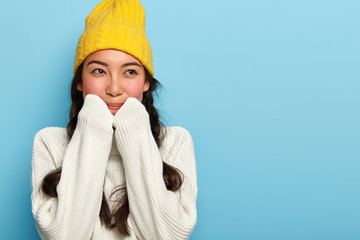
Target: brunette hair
column 173, row 178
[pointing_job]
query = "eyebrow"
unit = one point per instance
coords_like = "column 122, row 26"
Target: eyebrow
column 131, row 64
column 98, row 62
column 106, row 65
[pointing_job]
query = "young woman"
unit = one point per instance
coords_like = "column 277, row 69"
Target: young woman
column 115, row 172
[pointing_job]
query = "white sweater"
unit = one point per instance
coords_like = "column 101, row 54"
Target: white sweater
column 99, row 158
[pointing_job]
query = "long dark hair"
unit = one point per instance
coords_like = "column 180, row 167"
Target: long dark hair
column 173, row 177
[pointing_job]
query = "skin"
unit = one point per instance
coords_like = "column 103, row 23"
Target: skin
column 114, row 76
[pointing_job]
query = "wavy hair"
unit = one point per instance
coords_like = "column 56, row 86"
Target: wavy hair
column 173, row 178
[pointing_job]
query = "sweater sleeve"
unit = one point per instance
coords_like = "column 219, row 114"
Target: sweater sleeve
column 73, row 214
column 155, row 212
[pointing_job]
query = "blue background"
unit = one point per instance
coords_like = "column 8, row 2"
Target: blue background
column 268, row 89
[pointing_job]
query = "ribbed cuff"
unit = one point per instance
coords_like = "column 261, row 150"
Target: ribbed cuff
column 131, row 122
column 96, row 114
column 132, row 115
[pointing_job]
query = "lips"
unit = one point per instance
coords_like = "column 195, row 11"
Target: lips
column 114, row 106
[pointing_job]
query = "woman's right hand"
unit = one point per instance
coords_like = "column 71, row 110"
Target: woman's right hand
column 96, row 113
column 75, row 211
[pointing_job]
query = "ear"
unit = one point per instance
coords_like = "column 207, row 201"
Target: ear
column 146, row 86
column 79, row 87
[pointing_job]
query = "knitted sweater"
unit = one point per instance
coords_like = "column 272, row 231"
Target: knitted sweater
column 106, row 152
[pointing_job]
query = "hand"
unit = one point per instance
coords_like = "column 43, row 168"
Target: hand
column 96, row 112
column 130, row 112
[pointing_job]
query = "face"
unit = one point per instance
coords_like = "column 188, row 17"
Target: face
column 114, row 76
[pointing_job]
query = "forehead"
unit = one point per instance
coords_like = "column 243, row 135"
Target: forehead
column 112, row 56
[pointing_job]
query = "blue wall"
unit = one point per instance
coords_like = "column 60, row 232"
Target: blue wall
column 269, row 90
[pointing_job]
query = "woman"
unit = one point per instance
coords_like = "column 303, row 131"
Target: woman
column 115, row 172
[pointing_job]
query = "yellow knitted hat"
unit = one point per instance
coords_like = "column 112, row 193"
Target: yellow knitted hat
column 116, row 24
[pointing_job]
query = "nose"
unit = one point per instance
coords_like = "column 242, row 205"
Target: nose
column 114, row 86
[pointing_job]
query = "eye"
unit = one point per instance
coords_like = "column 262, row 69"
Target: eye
column 98, row 71
column 130, row 72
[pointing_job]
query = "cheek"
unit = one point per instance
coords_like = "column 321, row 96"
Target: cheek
column 135, row 90
column 91, row 86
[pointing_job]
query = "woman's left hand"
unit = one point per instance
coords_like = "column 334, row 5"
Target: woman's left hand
column 130, row 113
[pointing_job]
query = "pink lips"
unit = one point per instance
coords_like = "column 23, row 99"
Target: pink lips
column 114, row 106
